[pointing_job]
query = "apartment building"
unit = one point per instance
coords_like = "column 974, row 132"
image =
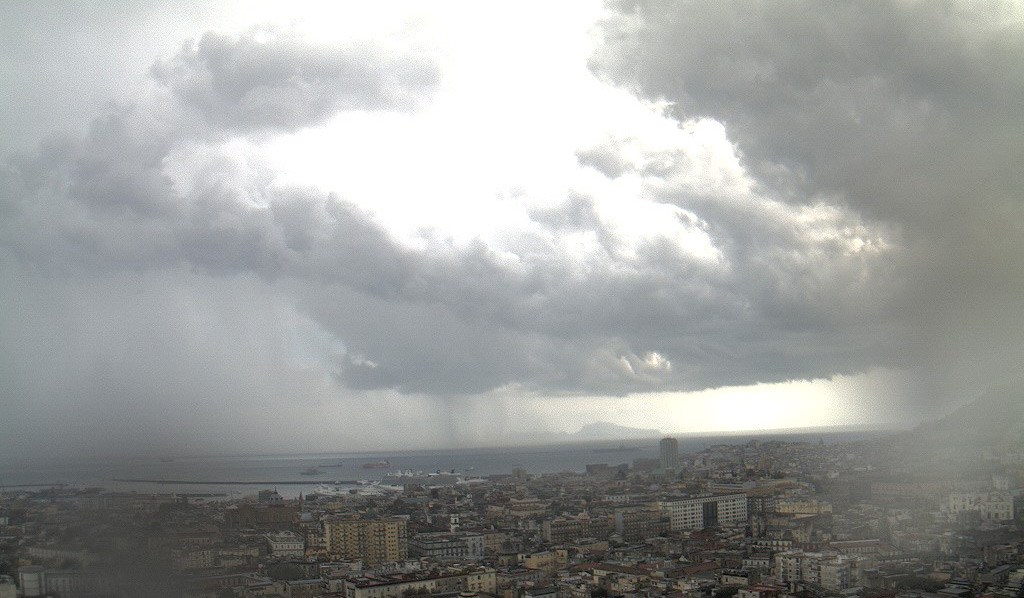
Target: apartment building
column 373, row 541
column 706, row 511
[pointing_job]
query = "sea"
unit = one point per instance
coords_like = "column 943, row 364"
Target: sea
column 228, row 477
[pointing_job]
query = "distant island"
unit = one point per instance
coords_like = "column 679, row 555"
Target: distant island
column 617, row 449
column 609, row 431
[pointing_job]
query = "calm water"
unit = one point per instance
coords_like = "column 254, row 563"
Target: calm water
column 277, row 468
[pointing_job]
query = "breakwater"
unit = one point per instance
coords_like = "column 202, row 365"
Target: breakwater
column 236, row 483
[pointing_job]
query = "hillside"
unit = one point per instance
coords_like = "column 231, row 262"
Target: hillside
column 609, row 431
column 996, row 417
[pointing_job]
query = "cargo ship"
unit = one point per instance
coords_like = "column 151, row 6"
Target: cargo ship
column 384, row 464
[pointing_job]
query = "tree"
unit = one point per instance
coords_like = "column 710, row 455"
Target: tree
column 919, row 583
column 285, row 572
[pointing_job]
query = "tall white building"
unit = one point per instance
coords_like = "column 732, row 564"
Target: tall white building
column 669, row 453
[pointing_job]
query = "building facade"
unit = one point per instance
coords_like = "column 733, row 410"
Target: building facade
column 831, row 571
column 990, row 506
column 573, row 528
column 669, row 453
column 447, row 545
column 706, row 511
column 633, row 524
column 373, row 541
column 477, row 579
column 286, row 544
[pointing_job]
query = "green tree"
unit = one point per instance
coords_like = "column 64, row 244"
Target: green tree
column 285, row 572
column 919, row 583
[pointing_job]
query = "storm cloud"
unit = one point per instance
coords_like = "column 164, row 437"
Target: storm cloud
column 571, row 303
column 768, row 193
column 905, row 113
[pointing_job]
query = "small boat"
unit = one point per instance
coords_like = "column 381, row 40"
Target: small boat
column 377, row 464
column 311, row 471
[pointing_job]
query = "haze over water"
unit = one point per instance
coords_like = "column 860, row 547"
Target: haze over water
column 550, row 458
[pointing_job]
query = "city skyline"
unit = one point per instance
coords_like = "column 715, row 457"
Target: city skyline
column 286, row 228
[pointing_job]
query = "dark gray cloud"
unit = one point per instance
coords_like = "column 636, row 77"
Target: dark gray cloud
column 266, row 80
column 875, row 101
column 906, row 112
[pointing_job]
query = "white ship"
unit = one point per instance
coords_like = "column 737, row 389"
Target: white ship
column 437, row 479
column 364, row 488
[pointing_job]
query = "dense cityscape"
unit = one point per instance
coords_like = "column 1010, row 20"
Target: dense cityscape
column 890, row 516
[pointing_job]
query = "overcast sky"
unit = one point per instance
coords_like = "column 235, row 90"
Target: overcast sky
column 235, row 226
